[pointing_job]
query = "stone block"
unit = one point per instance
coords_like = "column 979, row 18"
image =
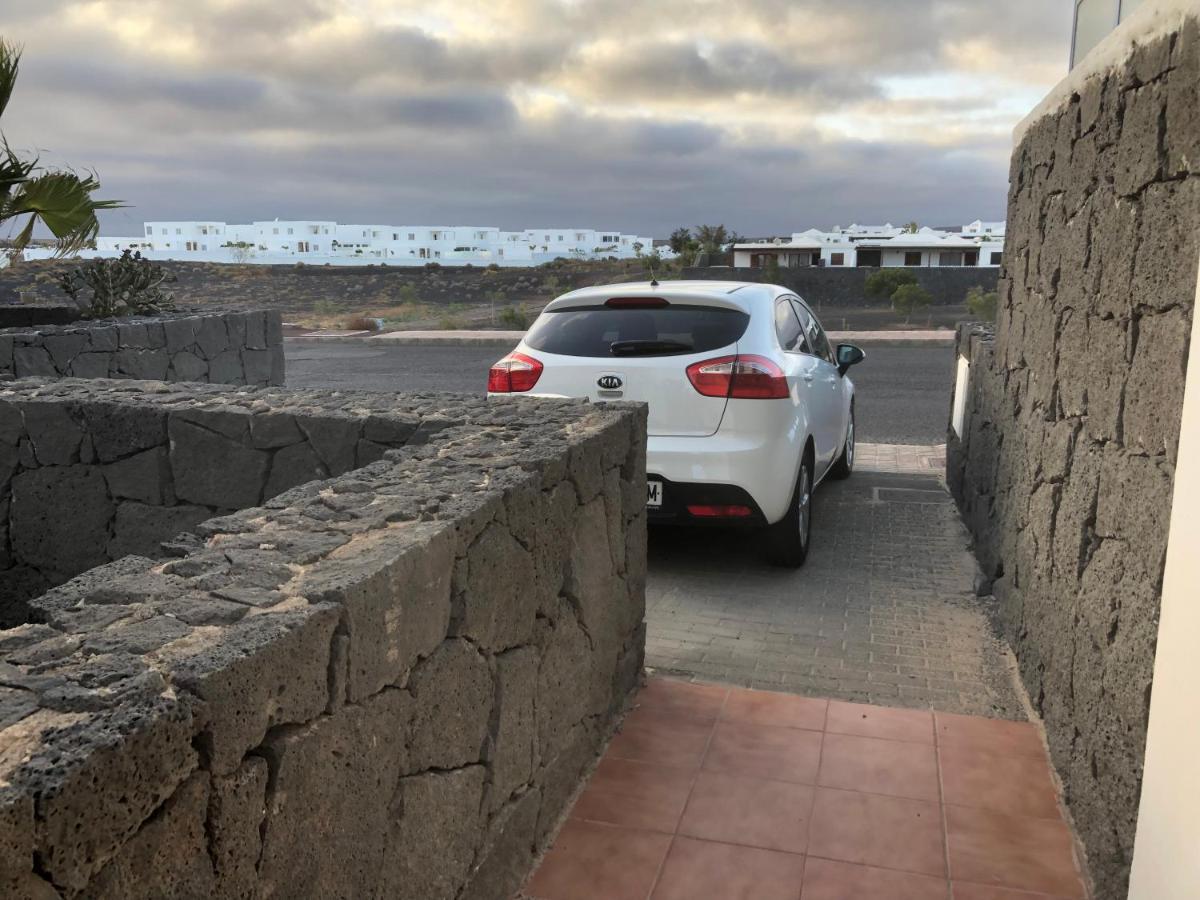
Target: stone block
column 91, row 365
column 565, row 681
column 142, row 476
column 514, row 756
column 1154, row 392
column 63, row 348
column 236, row 809
column 111, row 772
column 256, row 330
column 142, row 529
column 187, row 366
column 270, row 429
column 30, row 361
column 1138, row 151
column 1182, row 140
column 180, row 333
column 226, row 368
column 327, row 826
column 60, row 546
column 506, row 857
column 393, row 586
column 497, row 607
column 452, row 694
column 561, row 772
column 256, row 364
column 117, row 431
column 143, row 364
column 238, row 676
column 212, row 338
column 212, row 470
column 103, row 339
column 132, row 335
column 334, row 439
column 1165, row 237
column 54, row 431
column 168, row 857
column 291, row 466
column 434, row 835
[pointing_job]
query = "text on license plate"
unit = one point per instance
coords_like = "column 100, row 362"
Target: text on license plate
column 654, row 493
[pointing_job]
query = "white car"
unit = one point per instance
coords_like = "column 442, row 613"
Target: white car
column 749, row 406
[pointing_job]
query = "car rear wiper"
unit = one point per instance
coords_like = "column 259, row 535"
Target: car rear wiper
column 634, row 348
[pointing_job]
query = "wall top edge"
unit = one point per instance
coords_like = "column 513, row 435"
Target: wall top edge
column 1153, row 19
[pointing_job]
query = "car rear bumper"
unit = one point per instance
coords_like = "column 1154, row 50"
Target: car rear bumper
column 688, row 503
column 761, row 470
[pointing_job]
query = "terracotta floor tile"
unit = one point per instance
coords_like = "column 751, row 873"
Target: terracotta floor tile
column 896, row 768
column 827, row 879
column 964, row 891
column 753, row 811
column 668, row 740
column 992, row 848
column 765, row 751
column 684, row 698
column 589, row 860
column 1019, row 785
column 703, row 870
column 890, row 832
column 880, row 722
column 999, row 736
column 770, row 708
column 635, row 794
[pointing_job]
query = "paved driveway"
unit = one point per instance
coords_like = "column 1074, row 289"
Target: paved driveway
column 884, row 611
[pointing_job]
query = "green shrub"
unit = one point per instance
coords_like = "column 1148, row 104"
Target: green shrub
column 514, row 318
column 450, row 323
column 882, row 284
column 982, row 304
column 126, row 286
column 908, row 298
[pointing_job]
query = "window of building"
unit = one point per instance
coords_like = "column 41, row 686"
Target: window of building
column 560, row 238
column 179, row 231
column 912, row 257
column 289, row 231
column 837, row 259
column 395, row 236
column 950, row 258
column 164, row 231
column 149, row 230
column 274, row 231
column 997, row 257
column 412, row 236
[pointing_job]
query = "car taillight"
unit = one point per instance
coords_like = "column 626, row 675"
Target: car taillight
column 514, row 374
column 739, row 378
column 706, row 511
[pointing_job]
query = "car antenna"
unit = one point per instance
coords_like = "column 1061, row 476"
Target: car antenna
column 653, row 280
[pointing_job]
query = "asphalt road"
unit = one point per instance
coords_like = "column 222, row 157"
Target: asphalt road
column 903, row 393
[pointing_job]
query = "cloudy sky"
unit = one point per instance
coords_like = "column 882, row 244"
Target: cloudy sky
column 767, row 115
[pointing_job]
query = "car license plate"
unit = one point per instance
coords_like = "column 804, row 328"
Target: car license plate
column 654, row 493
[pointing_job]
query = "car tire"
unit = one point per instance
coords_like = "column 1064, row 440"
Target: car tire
column 845, row 463
column 788, row 539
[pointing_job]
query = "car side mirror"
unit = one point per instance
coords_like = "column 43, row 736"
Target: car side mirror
column 848, row 355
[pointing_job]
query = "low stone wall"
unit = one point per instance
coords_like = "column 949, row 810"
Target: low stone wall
column 26, row 315
column 1065, row 466
column 222, row 348
column 383, row 683
column 836, row 287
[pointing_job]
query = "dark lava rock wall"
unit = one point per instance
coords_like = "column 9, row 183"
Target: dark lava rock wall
column 219, row 348
column 386, row 683
column 1065, row 470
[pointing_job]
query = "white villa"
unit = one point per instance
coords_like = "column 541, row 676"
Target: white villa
column 319, row 242
column 977, row 244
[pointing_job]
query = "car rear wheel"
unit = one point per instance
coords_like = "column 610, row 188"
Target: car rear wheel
column 845, row 464
column 787, row 539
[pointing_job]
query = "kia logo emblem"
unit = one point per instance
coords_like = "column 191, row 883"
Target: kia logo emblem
column 609, row 382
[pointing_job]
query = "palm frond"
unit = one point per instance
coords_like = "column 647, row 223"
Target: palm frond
column 63, row 202
column 10, row 62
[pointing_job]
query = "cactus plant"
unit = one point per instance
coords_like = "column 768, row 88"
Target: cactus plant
column 127, row 286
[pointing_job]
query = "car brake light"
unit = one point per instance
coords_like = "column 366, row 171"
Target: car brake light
column 739, row 378
column 514, row 374
column 636, row 302
column 719, row 512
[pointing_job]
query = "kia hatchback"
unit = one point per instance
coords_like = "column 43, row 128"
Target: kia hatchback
column 749, row 406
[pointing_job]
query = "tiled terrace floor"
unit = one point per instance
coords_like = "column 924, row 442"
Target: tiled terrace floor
column 717, row 793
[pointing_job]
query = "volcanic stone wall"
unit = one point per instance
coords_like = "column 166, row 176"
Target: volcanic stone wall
column 220, row 348
column 90, row 475
column 837, row 287
column 384, row 683
column 1065, row 468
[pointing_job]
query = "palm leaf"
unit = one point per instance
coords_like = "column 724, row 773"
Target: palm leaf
column 10, row 59
column 63, row 202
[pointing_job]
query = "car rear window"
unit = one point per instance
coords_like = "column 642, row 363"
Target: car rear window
column 607, row 332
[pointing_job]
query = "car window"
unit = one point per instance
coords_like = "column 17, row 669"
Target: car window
column 787, row 327
column 604, row 331
column 814, row 333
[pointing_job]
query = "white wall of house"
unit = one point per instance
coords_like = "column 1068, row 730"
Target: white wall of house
column 839, row 247
column 321, row 242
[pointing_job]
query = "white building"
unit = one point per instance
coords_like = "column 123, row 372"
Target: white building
column 977, row 244
column 322, row 242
